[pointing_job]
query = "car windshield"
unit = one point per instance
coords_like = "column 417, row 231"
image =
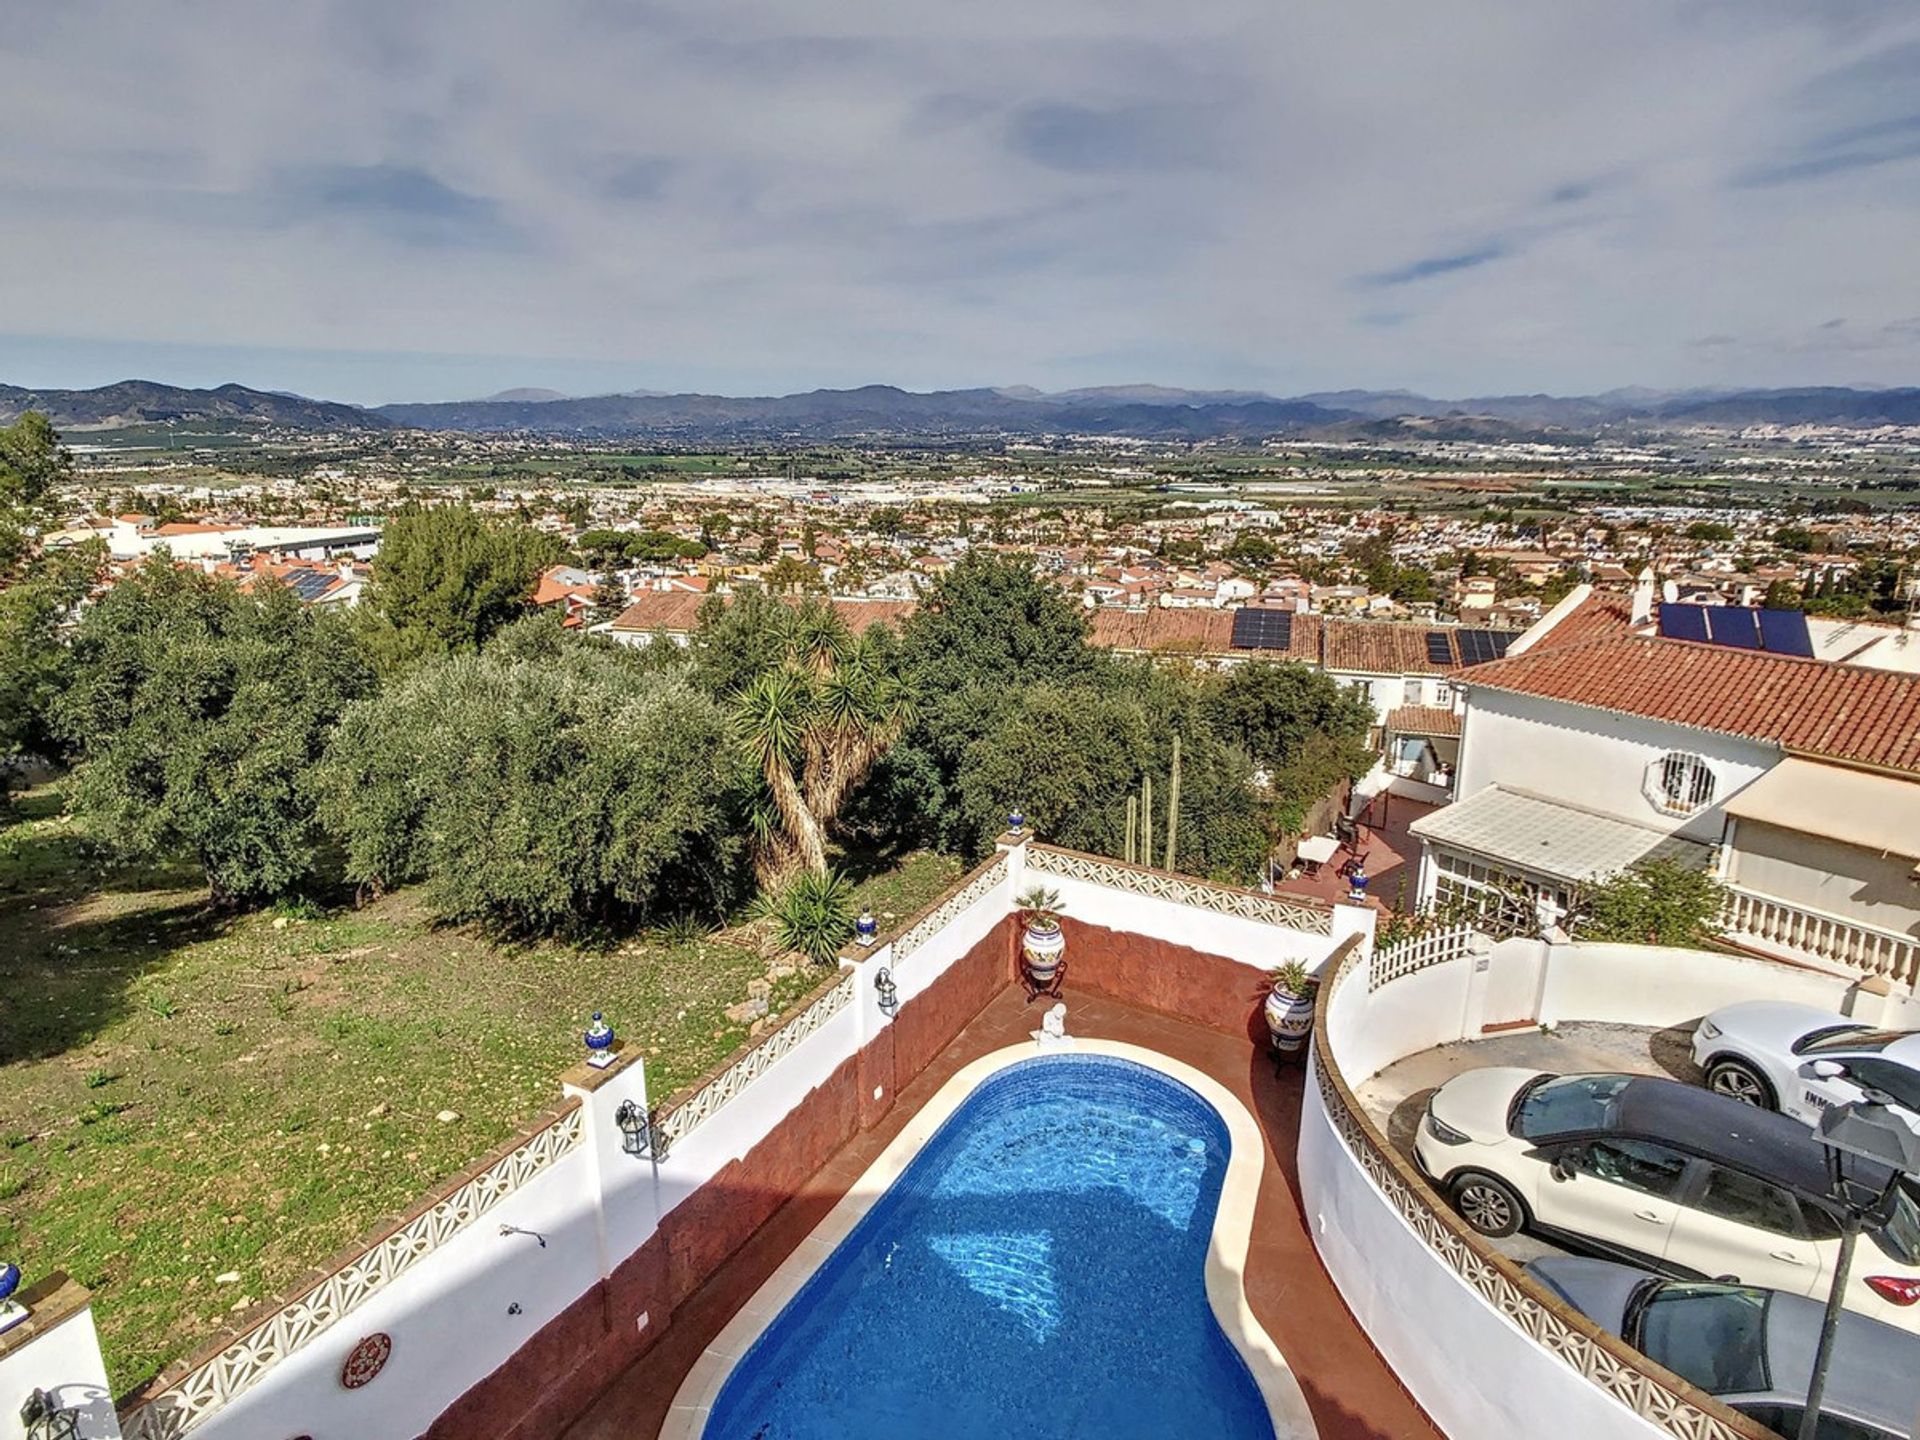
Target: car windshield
column 1567, row 1104
column 1713, row 1335
column 1853, row 1039
column 1900, row 1236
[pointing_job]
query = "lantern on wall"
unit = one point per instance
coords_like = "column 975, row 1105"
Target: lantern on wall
column 43, row 1419
column 638, row 1137
column 888, row 992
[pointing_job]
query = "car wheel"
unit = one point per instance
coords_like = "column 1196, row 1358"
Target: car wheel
column 1490, row 1206
column 1738, row 1080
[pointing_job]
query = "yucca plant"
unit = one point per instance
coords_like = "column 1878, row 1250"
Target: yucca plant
column 1042, row 906
column 813, row 914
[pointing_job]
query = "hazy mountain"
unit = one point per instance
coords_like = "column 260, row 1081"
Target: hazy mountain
column 885, row 412
column 524, row 395
column 145, row 402
column 873, row 411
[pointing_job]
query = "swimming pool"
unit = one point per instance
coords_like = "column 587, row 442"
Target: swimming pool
column 1039, row 1268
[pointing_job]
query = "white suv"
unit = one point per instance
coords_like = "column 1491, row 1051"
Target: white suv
column 1800, row 1060
column 1667, row 1176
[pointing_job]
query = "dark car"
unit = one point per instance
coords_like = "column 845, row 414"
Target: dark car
column 1751, row 1348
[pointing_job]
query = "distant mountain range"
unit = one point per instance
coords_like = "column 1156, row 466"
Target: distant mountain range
column 883, row 412
column 146, row 402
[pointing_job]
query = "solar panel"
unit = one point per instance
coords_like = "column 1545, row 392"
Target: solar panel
column 1439, row 648
column 1732, row 626
column 1684, row 622
column 1263, row 629
column 1477, row 647
column 1784, row 632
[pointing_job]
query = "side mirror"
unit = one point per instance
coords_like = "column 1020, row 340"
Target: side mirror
column 1823, row 1070
column 1563, row 1167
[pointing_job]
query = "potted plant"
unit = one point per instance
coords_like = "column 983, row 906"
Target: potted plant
column 1043, row 948
column 1290, row 1007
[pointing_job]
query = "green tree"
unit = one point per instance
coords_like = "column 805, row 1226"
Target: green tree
column 38, row 592
column 1656, row 902
column 446, row 579
column 1251, row 551
column 549, row 784
column 196, row 713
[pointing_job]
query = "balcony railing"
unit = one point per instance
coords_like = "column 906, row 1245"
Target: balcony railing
column 1762, row 922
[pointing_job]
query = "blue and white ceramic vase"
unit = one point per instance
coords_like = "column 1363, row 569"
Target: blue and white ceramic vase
column 866, row 929
column 1290, row 1017
column 599, row 1036
column 1044, row 948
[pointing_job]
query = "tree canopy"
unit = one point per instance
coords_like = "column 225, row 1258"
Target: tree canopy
column 547, row 784
column 197, row 713
column 446, row 578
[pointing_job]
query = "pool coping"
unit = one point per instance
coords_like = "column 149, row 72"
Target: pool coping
column 1226, row 1250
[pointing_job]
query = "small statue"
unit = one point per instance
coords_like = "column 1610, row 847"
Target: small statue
column 1053, row 1028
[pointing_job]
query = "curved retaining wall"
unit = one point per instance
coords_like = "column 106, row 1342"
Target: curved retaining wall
column 1485, row 1351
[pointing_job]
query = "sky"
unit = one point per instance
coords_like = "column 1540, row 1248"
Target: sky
column 376, row 201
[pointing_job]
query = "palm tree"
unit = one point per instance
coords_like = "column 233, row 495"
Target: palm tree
column 816, row 723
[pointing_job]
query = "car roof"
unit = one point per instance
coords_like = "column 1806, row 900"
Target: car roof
column 1874, row 1373
column 1905, row 1050
column 1743, row 1137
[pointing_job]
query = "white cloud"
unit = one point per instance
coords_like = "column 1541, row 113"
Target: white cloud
column 1461, row 197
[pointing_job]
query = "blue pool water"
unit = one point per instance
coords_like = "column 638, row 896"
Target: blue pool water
column 1038, row 1270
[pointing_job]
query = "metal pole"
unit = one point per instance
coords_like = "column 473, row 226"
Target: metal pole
column 1810, row 1418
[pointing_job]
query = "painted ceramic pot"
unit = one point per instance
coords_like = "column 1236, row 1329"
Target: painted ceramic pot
column 599, row 1035
column 1043, row 948
column 1289, row 1019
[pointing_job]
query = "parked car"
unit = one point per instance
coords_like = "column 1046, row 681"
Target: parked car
column 1799, row 1060
column 1668, row 1176
column 1752, row 1348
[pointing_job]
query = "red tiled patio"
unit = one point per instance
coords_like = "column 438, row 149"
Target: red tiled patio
column 1351, row 1391
column 1392, row 854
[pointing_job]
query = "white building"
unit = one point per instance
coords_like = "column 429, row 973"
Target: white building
column 1597, row 745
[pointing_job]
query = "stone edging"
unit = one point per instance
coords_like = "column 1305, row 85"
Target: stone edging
column 1226, row 1253
column 1654, row 1393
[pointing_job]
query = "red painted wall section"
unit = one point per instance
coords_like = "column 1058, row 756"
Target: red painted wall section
column 551, row 1379
column 1194, row 985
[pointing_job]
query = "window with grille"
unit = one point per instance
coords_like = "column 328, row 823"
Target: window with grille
column 1679, row 783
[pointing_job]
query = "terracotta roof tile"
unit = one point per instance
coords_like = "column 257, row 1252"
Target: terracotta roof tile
column 1384, row 647
column 1423, row 720
column 1810, row 707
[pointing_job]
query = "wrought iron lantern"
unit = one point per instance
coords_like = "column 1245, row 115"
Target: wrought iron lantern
column 638, row 1136
column 888, row 992
column 44, row 1419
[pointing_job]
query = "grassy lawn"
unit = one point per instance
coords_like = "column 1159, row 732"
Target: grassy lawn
column 195, row 1108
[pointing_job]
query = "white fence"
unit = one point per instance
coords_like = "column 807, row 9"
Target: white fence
column 1765, row 923
column 1435, row 948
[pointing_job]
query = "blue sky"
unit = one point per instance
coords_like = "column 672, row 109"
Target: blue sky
column 430, row 200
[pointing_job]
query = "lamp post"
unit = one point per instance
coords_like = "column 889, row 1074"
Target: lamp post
column 1868, row 1128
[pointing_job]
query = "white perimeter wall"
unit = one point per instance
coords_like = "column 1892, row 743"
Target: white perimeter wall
column 1253, row 943
column 1470, row 1367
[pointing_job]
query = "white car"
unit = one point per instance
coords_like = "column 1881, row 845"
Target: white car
column 1799, row 1060
column 1667, row 1176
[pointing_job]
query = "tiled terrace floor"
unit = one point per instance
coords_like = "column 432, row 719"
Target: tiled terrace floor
column 1348, row 1386
column 1393, row 857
